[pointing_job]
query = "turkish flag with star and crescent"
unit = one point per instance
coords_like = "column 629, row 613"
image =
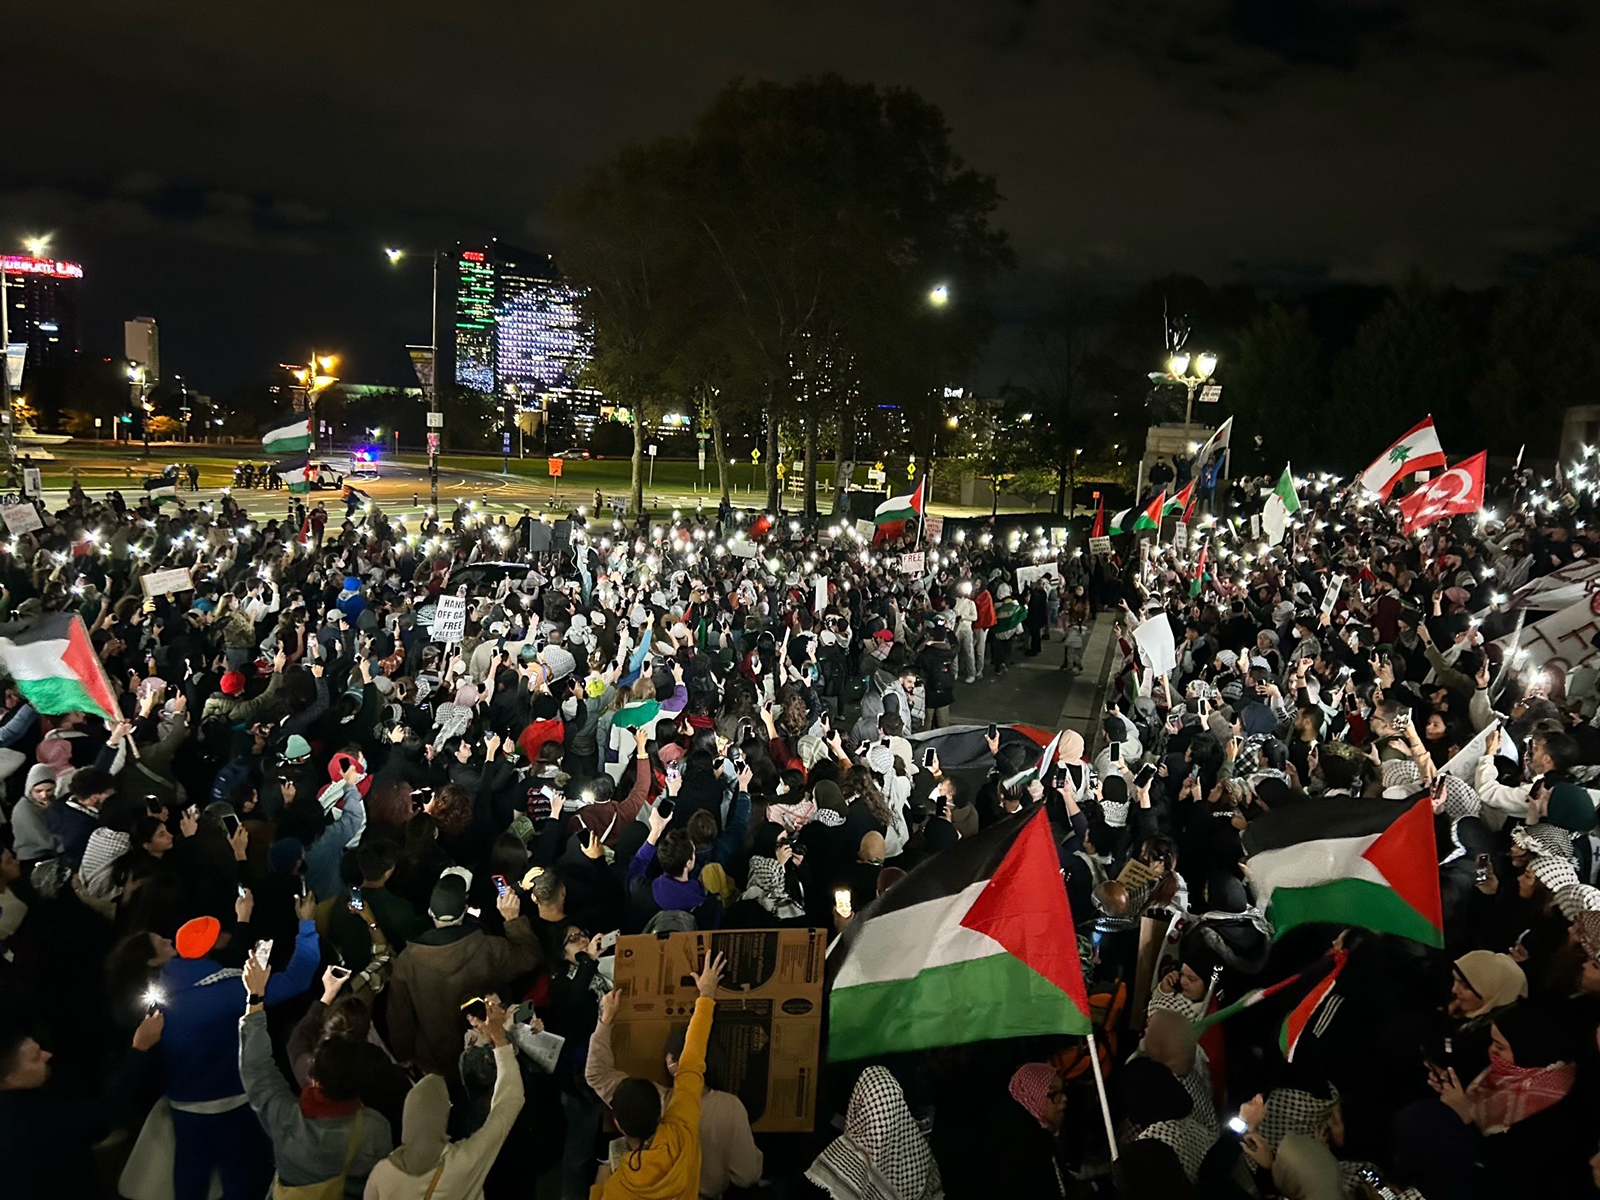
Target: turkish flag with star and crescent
column 1458, row 490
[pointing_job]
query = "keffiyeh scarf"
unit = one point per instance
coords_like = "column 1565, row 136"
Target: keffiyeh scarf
column 882, row 1154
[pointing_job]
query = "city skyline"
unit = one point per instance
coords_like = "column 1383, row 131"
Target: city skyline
column 1339, row 144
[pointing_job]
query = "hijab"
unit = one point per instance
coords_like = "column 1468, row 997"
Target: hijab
column 1305, row 1169
column 1496, row 978
column 423, row 1126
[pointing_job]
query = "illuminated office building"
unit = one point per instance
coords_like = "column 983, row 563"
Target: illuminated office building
column 520, row 335
column 42, row 304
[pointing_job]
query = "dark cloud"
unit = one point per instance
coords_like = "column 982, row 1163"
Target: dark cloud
column 207, row 162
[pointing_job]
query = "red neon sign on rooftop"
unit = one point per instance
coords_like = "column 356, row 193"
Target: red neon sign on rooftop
column 472, row 255
column 26, row 264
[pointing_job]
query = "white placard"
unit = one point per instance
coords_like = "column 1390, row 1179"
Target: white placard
column 1571, row 583
column 820, row 596
column 32, row 484
column 1331, row 596
column 1465, row 763
column 740, row 548
column 1563, row 638
column 1255, row 527
column 933, row 527
column 1028, row 576
column 911, row 563
column 164, row 583
column 1100, row 545
column 1156, row 645
column 21, row 518
column 865, row 530
column 1180, row 536
column 450, row 619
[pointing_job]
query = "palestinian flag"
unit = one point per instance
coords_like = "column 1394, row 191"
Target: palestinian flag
column 1120, row 522
column 1283, row 501
column 976, row 943
column 287, row 435
column 1150, row 518
column 900, row 508
column 56, row 669
column 297, row 479
column 1198, row 582
column 1181, row 502
column 166, row 494
column 1299, row 1020
column 1370, row 863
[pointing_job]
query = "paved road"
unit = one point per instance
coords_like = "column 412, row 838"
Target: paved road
column 1036, row 691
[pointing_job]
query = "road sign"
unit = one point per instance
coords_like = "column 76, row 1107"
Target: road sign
column 505, row 443
column 1211, row 393
column 555, row 465
column 701, row 455
column 911, row 469
column 435, row 420
column 755, row 455
column 651, row 449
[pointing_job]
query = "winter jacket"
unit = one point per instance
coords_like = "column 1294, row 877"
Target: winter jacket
column 437, row 972
column 204, row 1001
column 308, row 1148
column 323, row 855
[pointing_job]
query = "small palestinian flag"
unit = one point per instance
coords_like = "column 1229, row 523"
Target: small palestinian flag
column 975, row 943
column 1181, row 502
column 1150, row 518
column 297, row 479
column 165, row 494
column 56, row 669
column 1300, row 1019
column 1370, row 863
column 287, row 435
column 900, row 508
column 1199, row 580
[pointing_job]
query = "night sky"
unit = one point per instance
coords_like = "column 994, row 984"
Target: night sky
column 234, row 170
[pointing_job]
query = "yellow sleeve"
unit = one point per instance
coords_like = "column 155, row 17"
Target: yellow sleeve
column 690, row 1084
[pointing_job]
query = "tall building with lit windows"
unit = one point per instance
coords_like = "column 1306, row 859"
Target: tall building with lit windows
column 519, row 335
column 474, row 319
column 42, row 311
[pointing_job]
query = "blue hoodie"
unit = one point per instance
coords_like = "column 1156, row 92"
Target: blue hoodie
column 200, row 1044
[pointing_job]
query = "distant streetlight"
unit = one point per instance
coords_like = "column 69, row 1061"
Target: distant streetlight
column 37, row 244
column 953, row 420
column 940, row 295
column 395, row 254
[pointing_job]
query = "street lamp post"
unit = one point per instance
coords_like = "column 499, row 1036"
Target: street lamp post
column 395, row 255
column 136, row 387
column 1191, row 371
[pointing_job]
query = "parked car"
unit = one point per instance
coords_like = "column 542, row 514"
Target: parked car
column 571, row 452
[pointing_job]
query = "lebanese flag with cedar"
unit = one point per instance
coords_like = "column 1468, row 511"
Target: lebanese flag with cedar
column 1459, row 490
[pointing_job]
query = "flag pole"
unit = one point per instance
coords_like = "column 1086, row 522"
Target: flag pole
column 922, row 518
column 1100, row 1089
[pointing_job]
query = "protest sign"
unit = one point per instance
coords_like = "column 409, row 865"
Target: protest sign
column 768, row 1030
column 1331, row 596
column 450, row 619
column 740, row 548
column 1564, row 639
column 21, row 518
column 1464, row 764
column 911, row 563
column 162, row 583
column 1027, row 576
column 1100, row 545
column 1180, row 536
column 933, row 527
column 1156, row 645
column 865, row 530
column 1574, row 582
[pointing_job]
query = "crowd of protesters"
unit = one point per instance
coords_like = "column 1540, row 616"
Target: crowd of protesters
column 325, row 906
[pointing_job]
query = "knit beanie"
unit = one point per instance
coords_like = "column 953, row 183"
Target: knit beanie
column 196, row 938
column 232, row 683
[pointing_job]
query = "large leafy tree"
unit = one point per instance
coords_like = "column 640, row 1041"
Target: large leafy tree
column 1406, row 361
column 1543, row 344
column 1277, row 391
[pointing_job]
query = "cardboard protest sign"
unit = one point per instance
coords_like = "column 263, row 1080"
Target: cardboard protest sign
column 162, row 583
column 1100, row 545
column 768, row 1027
column 1156, row 644
column 450, row 619
column 911, row 563
column 21, row 518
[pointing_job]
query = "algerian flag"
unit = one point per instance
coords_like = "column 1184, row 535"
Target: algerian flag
column 287, row 435
column 57, row 670
column 1282, row 502
column 900, row 508
column 165, row 494
column 1370, row 863
column 976, row 943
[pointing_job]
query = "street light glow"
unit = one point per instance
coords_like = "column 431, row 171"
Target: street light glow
column 395, row 255
column 1205, row 363
column 953, row 421
column 1177, row 365
column 939, row 296
column 37, row 244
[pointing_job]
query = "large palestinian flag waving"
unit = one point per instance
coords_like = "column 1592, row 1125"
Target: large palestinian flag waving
column 976, row 943
column 56, row 669
column 1370, row 863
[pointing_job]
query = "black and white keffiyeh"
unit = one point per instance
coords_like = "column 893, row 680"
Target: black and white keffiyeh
column 882, row 1154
